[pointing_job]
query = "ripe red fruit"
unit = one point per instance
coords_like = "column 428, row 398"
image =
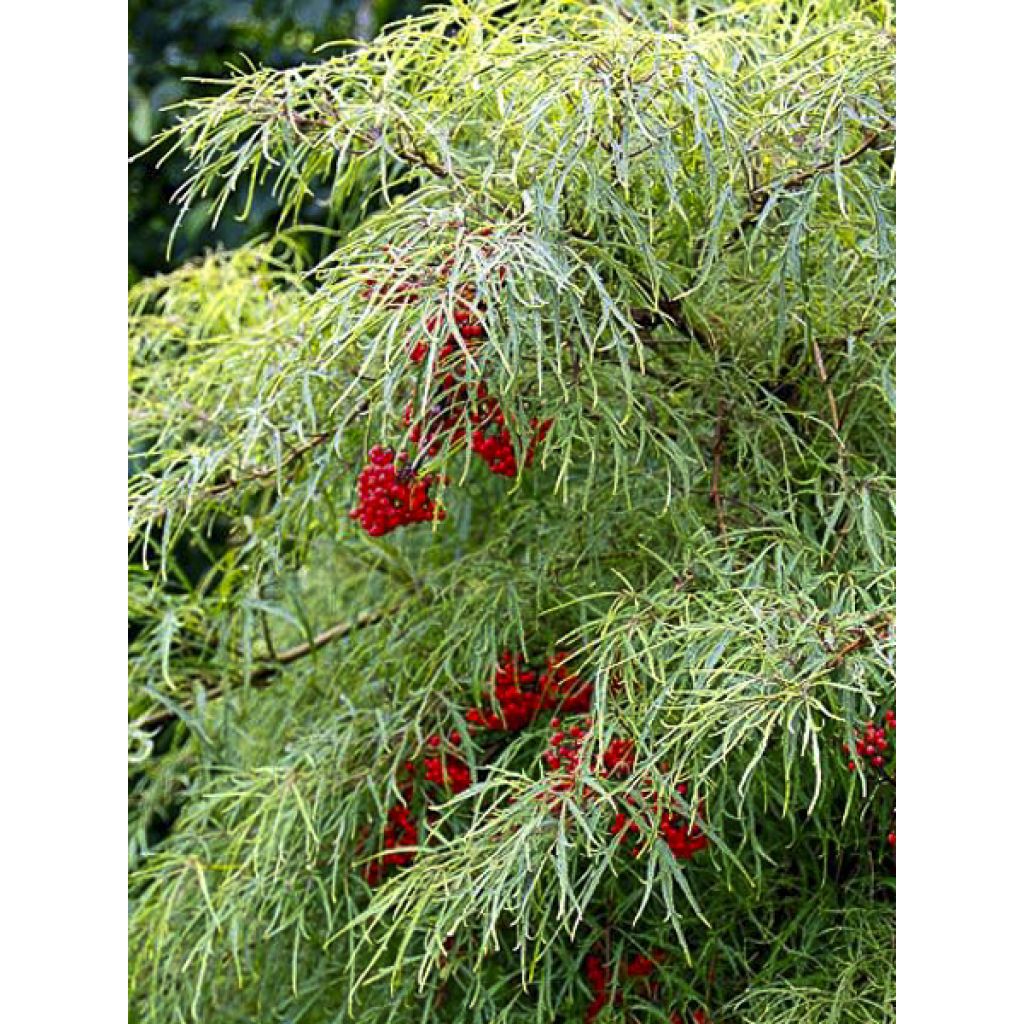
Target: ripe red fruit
column 872, row 745
column 391, row 495
column 400, row 831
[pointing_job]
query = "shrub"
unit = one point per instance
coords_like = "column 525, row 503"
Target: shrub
column 511, row 590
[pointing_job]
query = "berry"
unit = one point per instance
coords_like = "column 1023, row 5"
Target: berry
column 400, row 831
column 873, row 745
column 522, row 693
column 391, row 495
column 564, row 689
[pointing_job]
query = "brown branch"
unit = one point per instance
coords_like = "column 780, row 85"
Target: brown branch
column 263, row 472
column 876, row 626
column 412, row 154
column 823, row 374
column 267, row 671
column 759, row 198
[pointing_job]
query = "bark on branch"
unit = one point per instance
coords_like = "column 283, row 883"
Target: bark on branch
column 267, row 670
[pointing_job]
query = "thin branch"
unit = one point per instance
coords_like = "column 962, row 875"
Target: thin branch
column 267, row 671
column 758, row 199
column 335, row 632
column 263, row 472
column 823, row 374
column 876, row 626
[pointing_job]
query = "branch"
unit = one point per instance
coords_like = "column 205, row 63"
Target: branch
column 267, row 671
column 759, row 197
column 823, row 374
column 876, row 626
column 263, row 472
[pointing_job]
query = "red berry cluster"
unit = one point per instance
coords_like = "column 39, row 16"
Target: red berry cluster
column 563, row 688
column 492, row 441
column 637, row 971
column 440, row 768
column 875, row 749
column 455, row 407
column 456, row 404
column 876, row 745
column 563, row 755
column 444, row 770
column 682, row 836
column 522, row 693
column 400, row 834
column 391, row 494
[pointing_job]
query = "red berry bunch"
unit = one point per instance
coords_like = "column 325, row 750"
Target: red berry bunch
column 638, row 970
column 522, row 692
column 444, row 770
column 598, row 978
column 683, row 837
column 454, row 403
column 400, row 832
column 618, row 759
column 517, row 694
column 391, row 494
column 563, row 754
column 492, row 440
column 641, row 966
column 451, row 356
column 440, row 768
column 564, row 689
column 876, row 745
column 454, row 407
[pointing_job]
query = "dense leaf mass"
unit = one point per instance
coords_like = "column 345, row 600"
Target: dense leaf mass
column 604, row 740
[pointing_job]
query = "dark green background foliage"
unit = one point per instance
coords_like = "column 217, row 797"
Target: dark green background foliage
column 172, row 40
column 678, row 223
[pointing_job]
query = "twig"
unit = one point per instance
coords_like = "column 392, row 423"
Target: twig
column 263, row 472
column 267, row 671
column 759, row 198
column 823, row 374
column 877, row 625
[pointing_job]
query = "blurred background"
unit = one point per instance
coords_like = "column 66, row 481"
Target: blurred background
column 172, row 40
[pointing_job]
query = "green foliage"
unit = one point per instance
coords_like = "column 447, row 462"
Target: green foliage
column 678, row 223
column 170, row 43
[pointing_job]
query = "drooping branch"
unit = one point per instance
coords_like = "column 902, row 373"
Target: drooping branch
column 268, row 670
column 760, row 197
column 876, row 626
column 265, row 472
